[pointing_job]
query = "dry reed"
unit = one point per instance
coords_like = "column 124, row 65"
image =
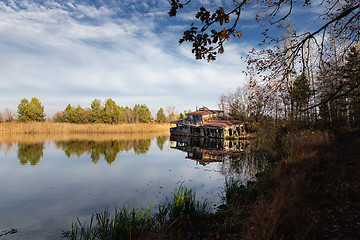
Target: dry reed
column 281, row 214
column 60, row 128
column 40, row 132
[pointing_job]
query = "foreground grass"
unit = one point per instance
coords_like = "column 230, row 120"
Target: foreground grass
column 70, row 128
column 182, row 212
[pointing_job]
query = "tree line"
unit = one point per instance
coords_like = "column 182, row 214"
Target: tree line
column 110, row 113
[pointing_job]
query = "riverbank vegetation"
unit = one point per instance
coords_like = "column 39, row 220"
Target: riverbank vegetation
column 69, row 128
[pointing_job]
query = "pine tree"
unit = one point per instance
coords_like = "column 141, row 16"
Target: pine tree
column 24, row 111
column 96, row 112
column 160, row 116
column 37, row 113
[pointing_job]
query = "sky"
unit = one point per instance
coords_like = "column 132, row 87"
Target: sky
column 75, row 51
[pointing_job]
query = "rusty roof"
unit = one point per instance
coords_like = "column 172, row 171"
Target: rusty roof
column 177, row 121
column 204, row 112
column 221, row 123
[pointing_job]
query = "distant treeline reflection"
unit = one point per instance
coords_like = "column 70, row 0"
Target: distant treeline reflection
column 33, row 152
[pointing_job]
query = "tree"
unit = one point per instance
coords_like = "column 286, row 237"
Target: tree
column 58, row 117
column 300, row 93
column 24, row 111
column 171, row 113
column 339, row 19
column 111, row 112
column 141, row 113
column 96, row 112
column 31, row 111
column 128, row 114
column 69, row 115
column 160, row 116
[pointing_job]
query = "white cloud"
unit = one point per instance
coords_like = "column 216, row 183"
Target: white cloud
column 51, row 53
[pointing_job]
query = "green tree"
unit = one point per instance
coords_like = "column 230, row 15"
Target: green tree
column 141, row 113
column 96, row 112
column 81, row 116
column 300, row 93
column 24, row 111
column 37, row 113
column 112, row 113
column 31, row 111
column 69, row 114
column 160, row 116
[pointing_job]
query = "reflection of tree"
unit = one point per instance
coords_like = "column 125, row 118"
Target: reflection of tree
column 106, row 149
column 30, row 153
column 76, row 148
column 141, row 146
column 160, row 141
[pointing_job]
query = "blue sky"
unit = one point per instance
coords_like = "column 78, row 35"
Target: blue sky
column 72, row 52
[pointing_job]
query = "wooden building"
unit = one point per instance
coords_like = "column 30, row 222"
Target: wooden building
column 208, row 123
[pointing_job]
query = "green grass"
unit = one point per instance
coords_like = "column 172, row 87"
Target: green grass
column 179, row 213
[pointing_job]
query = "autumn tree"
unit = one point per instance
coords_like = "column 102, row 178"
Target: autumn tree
column 171, row 113
column 212, row 29
column 112, row 113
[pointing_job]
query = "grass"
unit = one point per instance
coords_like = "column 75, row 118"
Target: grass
column 70, row 128
column 281, row 212
column 181, row 213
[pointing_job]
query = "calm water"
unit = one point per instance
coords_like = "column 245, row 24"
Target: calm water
column 45, row 186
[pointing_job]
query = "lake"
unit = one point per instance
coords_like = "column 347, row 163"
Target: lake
column 45, row 185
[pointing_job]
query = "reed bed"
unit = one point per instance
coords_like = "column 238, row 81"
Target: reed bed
column 42, row 137
column 61, row 128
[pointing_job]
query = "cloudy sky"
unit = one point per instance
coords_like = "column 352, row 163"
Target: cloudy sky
column 74, row 51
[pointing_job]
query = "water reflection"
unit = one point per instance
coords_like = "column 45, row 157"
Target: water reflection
column 206, row 150
column 43, row 200
column 235, row 156
column 107, row 149
column 31, row 153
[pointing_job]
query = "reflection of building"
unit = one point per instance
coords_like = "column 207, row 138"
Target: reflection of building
column 208, row 123
column 208, row 149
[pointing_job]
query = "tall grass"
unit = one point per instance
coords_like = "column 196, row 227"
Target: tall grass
column 135, row 223
column 182, row 210
column 280, row 212
column 56, row 128
column 126, row 223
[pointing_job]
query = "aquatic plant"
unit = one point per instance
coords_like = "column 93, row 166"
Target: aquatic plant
column 136, row 223
column 126, row 223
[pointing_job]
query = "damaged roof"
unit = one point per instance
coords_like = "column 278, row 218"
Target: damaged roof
column 221, row 123
column 204, row 112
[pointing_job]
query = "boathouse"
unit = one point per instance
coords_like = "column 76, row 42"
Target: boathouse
column 208, row 123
